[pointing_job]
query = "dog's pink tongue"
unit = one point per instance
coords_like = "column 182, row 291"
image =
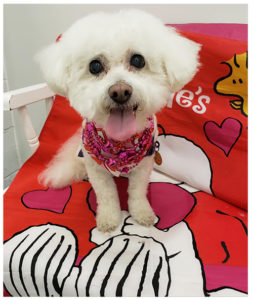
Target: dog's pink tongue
column 121, row 125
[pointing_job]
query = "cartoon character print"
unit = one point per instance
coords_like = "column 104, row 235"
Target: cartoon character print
column 131, row 261
column 223, row 136
column 134, row 260
column 182, row 158
column 124, row 264
column 236, row 82
column 54, row 200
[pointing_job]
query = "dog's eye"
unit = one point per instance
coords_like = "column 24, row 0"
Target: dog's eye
column 137, row 61
column 96, row 67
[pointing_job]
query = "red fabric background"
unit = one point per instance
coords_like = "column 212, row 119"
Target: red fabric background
column 229, row 180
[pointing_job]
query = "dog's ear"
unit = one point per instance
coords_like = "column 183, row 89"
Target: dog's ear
column 53, row 63
column 180, row 59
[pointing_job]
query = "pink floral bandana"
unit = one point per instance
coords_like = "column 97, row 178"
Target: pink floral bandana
column 115, row 156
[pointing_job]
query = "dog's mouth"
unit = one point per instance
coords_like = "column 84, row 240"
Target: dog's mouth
column 121, row 124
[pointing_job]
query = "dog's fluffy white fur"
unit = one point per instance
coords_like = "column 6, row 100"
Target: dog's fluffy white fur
column 171, row 61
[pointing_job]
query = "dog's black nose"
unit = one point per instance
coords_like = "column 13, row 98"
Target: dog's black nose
column 120, row 92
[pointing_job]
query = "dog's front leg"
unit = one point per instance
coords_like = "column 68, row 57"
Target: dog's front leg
column 138, row 203
column 108, row 214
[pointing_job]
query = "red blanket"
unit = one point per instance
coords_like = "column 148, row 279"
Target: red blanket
column 199, row 243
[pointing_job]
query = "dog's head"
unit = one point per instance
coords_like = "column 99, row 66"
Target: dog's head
column 119, row 68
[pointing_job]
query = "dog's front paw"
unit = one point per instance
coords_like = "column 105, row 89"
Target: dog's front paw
column 142, row 212
column 108, row 221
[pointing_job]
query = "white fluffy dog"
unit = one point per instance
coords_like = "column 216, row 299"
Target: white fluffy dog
column 117, row 70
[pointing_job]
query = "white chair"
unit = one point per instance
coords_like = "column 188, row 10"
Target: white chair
column 19, row 99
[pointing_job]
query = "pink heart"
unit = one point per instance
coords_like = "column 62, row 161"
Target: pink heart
column 170, row 202
column 224, row 136
column 54, row 200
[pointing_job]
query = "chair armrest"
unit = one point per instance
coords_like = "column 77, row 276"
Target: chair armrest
column 22, row 97
column 19, row 99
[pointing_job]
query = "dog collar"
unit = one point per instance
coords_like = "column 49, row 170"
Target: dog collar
column 118, row 157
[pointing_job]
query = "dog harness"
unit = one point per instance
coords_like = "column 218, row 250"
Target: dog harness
column 115, row 156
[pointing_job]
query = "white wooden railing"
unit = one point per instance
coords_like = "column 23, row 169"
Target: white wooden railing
column 19, row 99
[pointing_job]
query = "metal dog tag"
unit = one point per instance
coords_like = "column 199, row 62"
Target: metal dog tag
column 158, row 158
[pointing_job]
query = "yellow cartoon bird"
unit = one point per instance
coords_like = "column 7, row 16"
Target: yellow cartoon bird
column 236, row 82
